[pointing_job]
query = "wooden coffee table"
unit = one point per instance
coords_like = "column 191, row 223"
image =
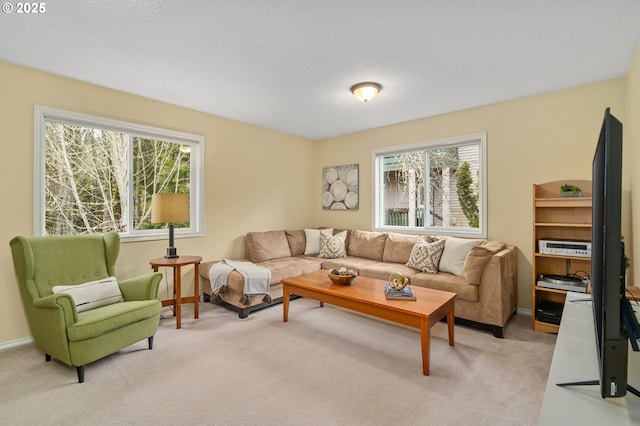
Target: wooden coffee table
column 366, row 295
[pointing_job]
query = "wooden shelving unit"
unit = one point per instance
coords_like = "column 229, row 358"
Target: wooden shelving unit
column 558, row 218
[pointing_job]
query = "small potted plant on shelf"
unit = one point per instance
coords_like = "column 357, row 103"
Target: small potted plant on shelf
column 567, row 190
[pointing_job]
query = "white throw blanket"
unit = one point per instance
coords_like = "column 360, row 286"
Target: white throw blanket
column 256, row 279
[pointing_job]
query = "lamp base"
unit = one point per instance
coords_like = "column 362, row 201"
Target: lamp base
column 172, row 253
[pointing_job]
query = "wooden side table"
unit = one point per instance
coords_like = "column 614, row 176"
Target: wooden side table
column 176, row 263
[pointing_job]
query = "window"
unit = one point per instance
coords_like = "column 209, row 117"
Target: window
column 436, row 187
column 96, row 175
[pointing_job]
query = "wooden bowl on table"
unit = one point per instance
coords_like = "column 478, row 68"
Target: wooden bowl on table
column 341, row 279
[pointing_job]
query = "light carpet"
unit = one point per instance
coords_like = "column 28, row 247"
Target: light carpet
column 325, row 366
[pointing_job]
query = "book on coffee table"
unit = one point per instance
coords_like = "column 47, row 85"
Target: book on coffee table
column 405, row 294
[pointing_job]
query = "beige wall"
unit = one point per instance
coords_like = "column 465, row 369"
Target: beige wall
column 249, row 170
column 255, row 179
column 537, row 139
column 632, row 142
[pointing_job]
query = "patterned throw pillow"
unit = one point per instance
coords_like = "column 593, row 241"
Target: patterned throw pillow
column 425, row 256
column 312, row 237
column 333, row 246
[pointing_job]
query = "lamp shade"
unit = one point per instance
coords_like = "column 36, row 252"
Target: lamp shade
column 169, row 208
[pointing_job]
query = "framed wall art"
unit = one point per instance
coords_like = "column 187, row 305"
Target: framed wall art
column 340, row 187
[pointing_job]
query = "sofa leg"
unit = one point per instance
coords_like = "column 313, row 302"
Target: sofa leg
column 150, row 342
column 80, row 370
column 498, row 332
column 47, row 357
column 244, row 313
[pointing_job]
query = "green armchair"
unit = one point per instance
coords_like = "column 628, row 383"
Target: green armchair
column 59, row 330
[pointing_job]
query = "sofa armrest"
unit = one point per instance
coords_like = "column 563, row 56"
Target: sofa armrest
column 144, row 287
column 499, row 286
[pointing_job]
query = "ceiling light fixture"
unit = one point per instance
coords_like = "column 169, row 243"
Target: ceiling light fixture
column 366, row 91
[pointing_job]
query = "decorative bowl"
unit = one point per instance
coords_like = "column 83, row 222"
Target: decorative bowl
column 341, row 279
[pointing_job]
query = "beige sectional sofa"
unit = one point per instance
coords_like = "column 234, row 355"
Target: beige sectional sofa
column 481, row 272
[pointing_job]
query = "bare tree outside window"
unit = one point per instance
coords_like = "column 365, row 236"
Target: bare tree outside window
column 86, row 178
column 158, row 168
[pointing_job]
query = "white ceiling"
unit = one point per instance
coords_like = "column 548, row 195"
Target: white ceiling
column 288, row 64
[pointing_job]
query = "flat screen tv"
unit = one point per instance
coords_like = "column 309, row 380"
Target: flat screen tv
column 607, row 259
column 614, row 321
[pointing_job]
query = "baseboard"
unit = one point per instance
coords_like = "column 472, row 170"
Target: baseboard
column 522, row 311
column 15, row 343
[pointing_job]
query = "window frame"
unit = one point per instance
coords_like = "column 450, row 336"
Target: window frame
column 42, row 114
column 456, row 141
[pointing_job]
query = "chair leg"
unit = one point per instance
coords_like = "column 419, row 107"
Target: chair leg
column 150, row 342
column 80, row 370
column 47, row 357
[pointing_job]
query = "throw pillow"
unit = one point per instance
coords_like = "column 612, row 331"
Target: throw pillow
column 333, row 246
column 454, row 254
column 92, row 294
column 425, row 256
column 313, row 239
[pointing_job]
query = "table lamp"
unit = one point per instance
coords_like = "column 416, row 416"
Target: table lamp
column 170, row 209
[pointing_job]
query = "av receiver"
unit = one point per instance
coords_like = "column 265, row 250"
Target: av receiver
column 565, row 248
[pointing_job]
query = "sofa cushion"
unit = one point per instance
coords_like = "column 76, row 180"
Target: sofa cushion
column 454, row 254
column 354, row 263
column 99, row 321
column 474, row 264
column 367, row 244
column 261, row 246
column 382, row 270
column 92, row 294
column 297, row 241
column 425, row 256
column 478, row 258
column 447, row 282
column 289, row 267
column 494, row 246
column 333, row 246
column 312, row 238
column 397, row 248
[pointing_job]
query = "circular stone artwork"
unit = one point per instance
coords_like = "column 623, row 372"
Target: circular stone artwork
column 340, row 187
